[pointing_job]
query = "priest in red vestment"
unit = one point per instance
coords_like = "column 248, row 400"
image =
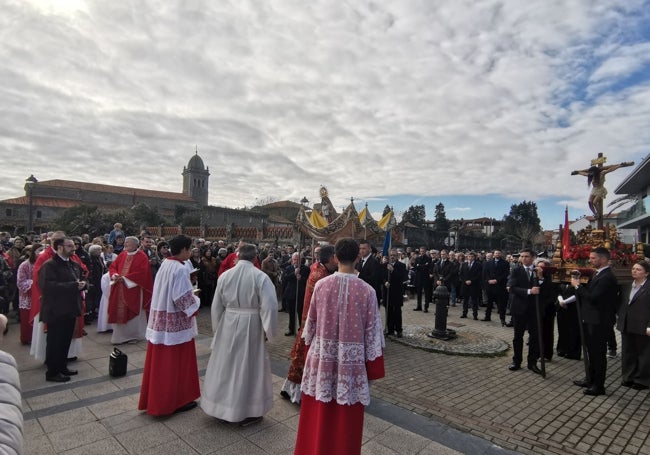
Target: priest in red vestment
column 325, row 266
column 130, row 296
column 343, row 331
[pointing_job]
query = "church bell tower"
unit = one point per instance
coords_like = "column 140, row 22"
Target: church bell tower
column 195, row 180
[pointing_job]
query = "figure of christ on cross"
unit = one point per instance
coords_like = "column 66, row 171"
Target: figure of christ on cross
column 596, row 179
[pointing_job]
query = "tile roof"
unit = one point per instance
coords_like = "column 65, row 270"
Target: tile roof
column 98, row 187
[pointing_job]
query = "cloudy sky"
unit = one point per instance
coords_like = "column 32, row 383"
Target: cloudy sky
column 477, row 104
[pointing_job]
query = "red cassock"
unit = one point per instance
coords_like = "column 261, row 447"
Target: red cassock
column 332, row 428
column 124, row 303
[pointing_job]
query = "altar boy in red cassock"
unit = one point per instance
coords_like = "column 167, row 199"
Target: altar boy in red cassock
column 170, row 382
column 344, row 333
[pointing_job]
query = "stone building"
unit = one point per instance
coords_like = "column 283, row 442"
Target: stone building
column 50, row 198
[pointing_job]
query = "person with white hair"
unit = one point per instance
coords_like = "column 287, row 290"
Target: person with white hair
column 130, row 296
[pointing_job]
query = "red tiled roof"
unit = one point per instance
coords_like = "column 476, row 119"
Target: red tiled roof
column 85, row 186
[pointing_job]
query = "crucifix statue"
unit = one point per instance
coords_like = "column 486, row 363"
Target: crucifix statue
column 596, row 179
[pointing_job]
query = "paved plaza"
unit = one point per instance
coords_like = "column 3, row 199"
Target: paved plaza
column 428, row 403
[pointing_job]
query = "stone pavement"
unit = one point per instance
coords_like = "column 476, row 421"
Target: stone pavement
column 519, row 411
column 97, row 414
column 429, row 403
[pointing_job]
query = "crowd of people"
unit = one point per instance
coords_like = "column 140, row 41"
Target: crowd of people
column 143, row 288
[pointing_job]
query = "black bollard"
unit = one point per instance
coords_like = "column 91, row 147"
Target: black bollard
column 441, row 298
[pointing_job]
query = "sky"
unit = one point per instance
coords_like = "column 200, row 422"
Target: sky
column 475, row 104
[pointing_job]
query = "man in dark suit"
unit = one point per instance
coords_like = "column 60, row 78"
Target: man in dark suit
column 61, row 284
column 523, row 286
column 599, row 301
column 394, row 276
column 422, row 267
column 294, row 281
column 445, row 272
column 495, row 279
column 369, row 268
column 470, row 279
column 634, row 324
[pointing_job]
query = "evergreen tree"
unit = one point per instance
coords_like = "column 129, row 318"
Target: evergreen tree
column 415, row 214
column 441, row 223
column 386, row 210
column 522, row 223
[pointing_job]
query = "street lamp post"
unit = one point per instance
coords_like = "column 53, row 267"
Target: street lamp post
column 29, row 189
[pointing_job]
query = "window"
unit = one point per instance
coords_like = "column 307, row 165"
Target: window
column 39, row 214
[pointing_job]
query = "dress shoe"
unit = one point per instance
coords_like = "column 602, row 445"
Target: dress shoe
column 514, row 367
column 67, row 372
column 594, row 391
column 57, row 378
column 73, row 359
column 534, row 369
column 486, row 319
column 463, row 316
column 582, row 383
column 417, row 309
column 509, row 324
column 425, row 311
column 289, row 334
column 637, row 386
column 627, row 383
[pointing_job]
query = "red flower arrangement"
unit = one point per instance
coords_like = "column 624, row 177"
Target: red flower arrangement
column 620, row 254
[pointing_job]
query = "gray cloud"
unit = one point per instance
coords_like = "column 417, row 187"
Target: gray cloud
column 505, row 96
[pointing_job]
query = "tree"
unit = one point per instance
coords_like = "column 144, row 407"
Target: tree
column 386, row 210
column 82, row 219
column 441, row 223
column 144, row 215
column 522, row 223
column 415, row 214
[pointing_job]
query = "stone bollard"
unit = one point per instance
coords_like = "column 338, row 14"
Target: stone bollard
column 440, row 331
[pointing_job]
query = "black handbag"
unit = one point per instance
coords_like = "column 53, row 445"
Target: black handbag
column 117, row 363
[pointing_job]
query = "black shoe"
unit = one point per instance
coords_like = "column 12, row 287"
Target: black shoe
column 289, row 334
column 417, row 309
column 463, row 316
column 67, row 372
column 514, row 367
column 509, row 324
column 561, row 353
column 425, row 311
column 486, row 319
column 637, row 386
column 57, row 378
column 71, row 359
column 627, row 383
column 284, row 394
column 475, row 317
column 189, row 406
column 594, row 391
column 534, row 369
column 582, row 383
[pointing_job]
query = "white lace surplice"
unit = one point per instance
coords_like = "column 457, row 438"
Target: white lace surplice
column 344, row 330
